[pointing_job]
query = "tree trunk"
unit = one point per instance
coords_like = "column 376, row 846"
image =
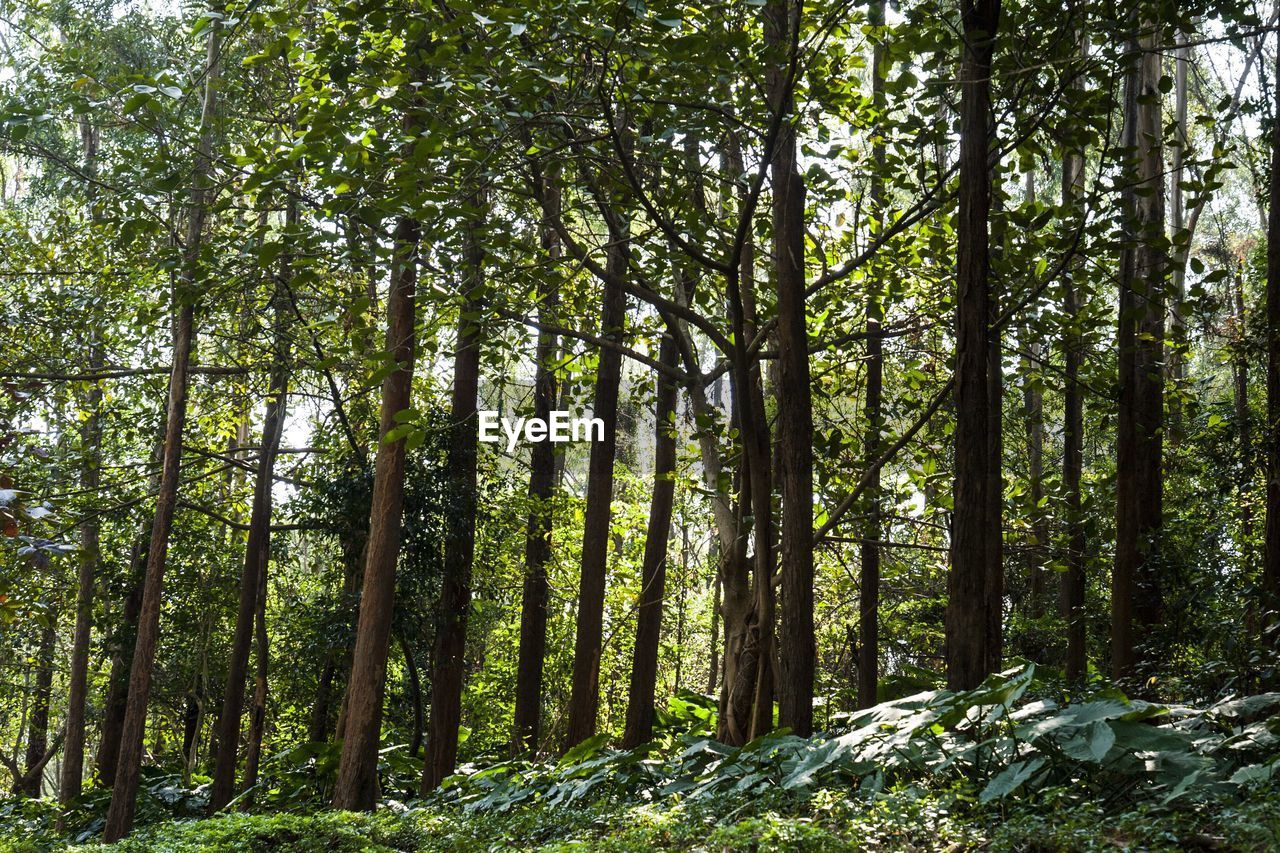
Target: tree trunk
column 869, row 556
column 1073, row 584
column 257, row 549
column 653, row 570
column 1271, row 557
column 117, row 697
column 356, row 788
column 32, row 782
column 460, row 542
column 796, row 647
column 584, row 703
column 129, row 763
column 72, row 772
column 1135, row 587
column 968, row 605
column 258, row 710
column 537, row 547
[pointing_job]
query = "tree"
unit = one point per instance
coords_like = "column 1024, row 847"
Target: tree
column 968, row 603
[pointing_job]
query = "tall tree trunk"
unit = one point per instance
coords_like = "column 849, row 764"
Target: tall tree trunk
column 995, row 497
column 653, row 570
column 72, row 772
column 537, row 548
column 968, row 653
column 869, row 570
column 32, row 782
column 1073, row 584
column 584, row 703
column 356, row 788
column 129, row 763
column 460, row 542
column 1135, row 586
column 1271, row 557
column 796, row 647
column 1177, row 217
column 257, row 549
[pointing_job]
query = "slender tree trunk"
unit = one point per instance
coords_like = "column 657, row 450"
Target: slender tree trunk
column 460, row 542
column 415, row 692
column 796, row 647
column 129, row 763
column 72, row 771
column 1135, row 587
column 869, row 571
column 653, row 570
column 995, row 497
column 257, row 552
column 1074, row 582
column 1176, row 367
column 117, row 697
column 32, row 782
column 968, row 605
column 537, row 548
column 584, row 703
column 356, row 788
column 1271, row 556
column 258, row 710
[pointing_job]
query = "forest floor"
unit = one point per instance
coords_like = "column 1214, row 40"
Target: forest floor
column 906, row 819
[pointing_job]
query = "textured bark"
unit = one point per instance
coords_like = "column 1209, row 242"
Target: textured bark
column 257, row 553
column 129, row 763
column 1271, row 556
column 797, row 650
column 1074, row 582
column 460, row 541
column 584, row 702
column 968, row 652
column 653, row 569
column 537, row 548
column 1135, row 586
column 357, row 786
column 994, row 606
column 869, row 550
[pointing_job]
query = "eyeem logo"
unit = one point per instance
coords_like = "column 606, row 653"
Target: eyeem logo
column 559, row 428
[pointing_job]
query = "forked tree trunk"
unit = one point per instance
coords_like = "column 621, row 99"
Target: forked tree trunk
column 356, row 788
column 968, row 653
column 460, row 542
column 796, row 645
column 129, row 763
column 653, row 569
column 1135, row 586
column 537, row 548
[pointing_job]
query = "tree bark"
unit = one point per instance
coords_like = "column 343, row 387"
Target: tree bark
column 356, row 788
column 460, row 542
column 796, row 643
column 869, row 550
column 584, row 703
column 258, row 710
column 968, row 605
column 1074, row 582
column 653, row 570
column 1271, row 556
column 537, row 549
column 1135, row 585
column 129, row 763
column 117, row 697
